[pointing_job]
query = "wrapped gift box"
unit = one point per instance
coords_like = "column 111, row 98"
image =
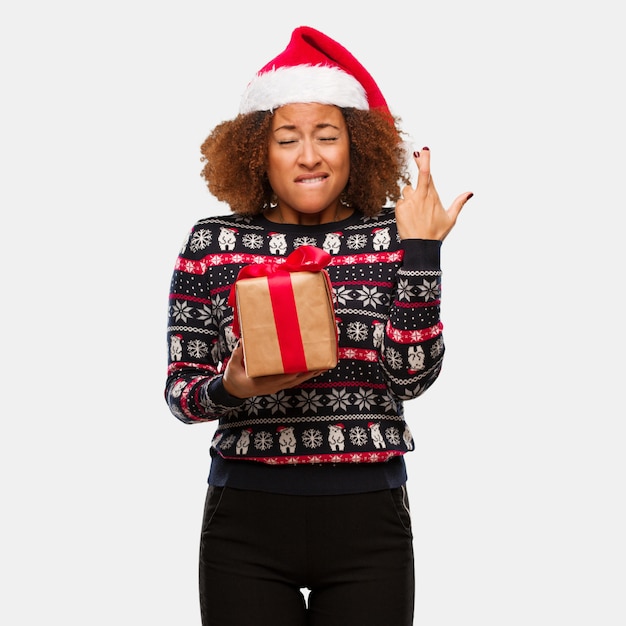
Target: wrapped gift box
column 286, row 318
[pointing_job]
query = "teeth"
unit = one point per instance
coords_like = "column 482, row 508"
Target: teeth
column 312, row 180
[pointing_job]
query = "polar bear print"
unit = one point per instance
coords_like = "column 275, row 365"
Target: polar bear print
column 278, row 243
column 176, row 347
column 227, row 238
column 332, row 243
column 377, row 437
column 216, row 440
column 408, row 438
column 243, row 443
column 215, row 350
column 381, row 239
column 336, row 438
column 231, row 338
column 286, row 439
column 178, row 387
column 377, row 334
column 416, row 359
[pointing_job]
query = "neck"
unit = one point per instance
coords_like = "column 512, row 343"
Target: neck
column 286, row 215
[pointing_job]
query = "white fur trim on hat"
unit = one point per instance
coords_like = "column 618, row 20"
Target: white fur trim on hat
column 303, row 83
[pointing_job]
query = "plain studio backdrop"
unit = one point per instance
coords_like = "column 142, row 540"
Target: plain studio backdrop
column 517, row 480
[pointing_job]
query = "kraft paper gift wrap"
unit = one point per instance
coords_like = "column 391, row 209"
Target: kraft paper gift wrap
column 284, row 314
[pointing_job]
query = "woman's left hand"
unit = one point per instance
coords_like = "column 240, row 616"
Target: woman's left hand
column 419, row 213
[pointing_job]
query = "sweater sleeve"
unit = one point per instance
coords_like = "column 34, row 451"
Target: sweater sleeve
column 193, row 389
column 413, row 348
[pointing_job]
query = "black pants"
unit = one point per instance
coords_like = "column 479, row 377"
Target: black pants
column 354, row 553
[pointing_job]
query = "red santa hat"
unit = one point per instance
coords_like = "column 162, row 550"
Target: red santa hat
column 313, row 68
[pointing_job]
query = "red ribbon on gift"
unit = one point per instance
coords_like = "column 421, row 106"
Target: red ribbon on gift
column 302, row 259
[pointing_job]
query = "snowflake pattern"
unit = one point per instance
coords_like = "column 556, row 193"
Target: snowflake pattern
column 365, row 398
column 370, row 296
column 185, row 243
column 254, row 404
column 358, row 436
column 393, row 435
column 252, row 241
column 221, row 307
column 437, row 348
column 356, row 242
column 277, row 403
column 312, row 438
column 181, row 311
column 197, row 348
column 393, row 358
column 263, row 440
column 405, row 290
column 342, row 294
column 388, row 403
column 429, row 290
column 308, row 401
column 304, row 241
column 339, row 399
column 357, row 331
column 228, row 442
column 205, row 315
column 200, row 240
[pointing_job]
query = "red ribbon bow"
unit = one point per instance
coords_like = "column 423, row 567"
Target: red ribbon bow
column 302, row 259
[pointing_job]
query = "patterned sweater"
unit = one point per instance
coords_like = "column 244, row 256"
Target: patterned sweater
column 386, row 296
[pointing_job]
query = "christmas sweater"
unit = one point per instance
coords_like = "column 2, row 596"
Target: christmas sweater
column 390, row 346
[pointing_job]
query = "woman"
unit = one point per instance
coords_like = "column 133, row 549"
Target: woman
column 307, row 479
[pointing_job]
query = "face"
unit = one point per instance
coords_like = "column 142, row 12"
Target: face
column 309, row 159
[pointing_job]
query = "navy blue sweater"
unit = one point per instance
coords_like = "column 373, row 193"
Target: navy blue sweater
column 344, row 430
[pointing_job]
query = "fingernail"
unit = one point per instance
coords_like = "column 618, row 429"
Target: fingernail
column 425, row 148
column 416, row 154
column 471, row 195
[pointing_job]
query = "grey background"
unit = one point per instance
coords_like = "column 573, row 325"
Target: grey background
column 517, row 481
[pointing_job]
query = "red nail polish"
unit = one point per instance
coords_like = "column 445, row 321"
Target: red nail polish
column 416, row 154
column 425, row 148
column 470, row 195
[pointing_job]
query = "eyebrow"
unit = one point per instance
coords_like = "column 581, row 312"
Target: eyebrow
column 320, row 126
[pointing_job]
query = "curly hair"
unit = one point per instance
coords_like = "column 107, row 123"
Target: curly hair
column 235, row 162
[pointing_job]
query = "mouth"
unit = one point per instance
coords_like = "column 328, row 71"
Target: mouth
column 311, row 180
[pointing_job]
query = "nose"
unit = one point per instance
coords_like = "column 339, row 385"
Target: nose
column 309, row 156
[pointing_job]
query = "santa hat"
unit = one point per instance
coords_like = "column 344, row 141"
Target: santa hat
column 313, row 68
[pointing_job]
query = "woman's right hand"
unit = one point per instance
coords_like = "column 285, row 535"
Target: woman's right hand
column 237, row 383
